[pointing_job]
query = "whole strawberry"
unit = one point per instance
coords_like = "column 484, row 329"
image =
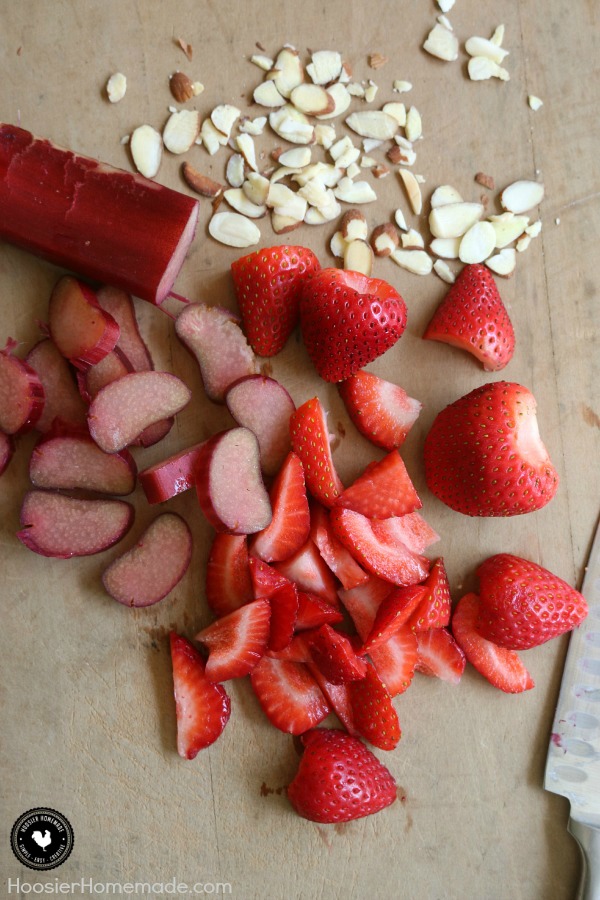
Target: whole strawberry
column 348, row 320
column 339, row 779
column 267, row 284
column 524, row 605
column 484, row 455
column 473, row 317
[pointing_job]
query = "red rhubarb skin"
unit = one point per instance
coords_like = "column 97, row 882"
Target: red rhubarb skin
column 106, row 224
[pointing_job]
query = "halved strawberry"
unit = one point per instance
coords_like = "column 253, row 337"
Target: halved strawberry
column 284, row 612
column 383, row 412
column 202, row 708
column 434, row 610
column 439, row 655
column 290, row 525
column 228, row 584
column 384, row 489
column 375, row 551
column 236, row 642
column 373, row 714
column 473, row 317
column 307, row 569
column 502, row 668
column 334, row 655
column 337, row 558
column 267, row 285
column 289, row 695
column 311, row 442
column 264, row 578
column 394, row 611
column 314, row 611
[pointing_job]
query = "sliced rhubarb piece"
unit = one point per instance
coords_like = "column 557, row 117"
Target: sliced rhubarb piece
column 229, row 485
column 7, row 448
column 113, row 366
column 154, row 433
column 21, row 393
column 125, row 407
column 314, row 611
column 289, row 528
column 264, row 406
column 435, row 609
column 71, row 460
column 284, row 612
column 202, row 707
column 63, row 400
column 154, row 566
column 55, row 525
column 382, row 411
column 106, row 224
column 236, row 642
column 289, row 695
column 119, row 304
column 218, row 343
column 383, row 490
column 393, row 612
column 412, row 530
column 336, row 557
column 377, row 552
column 171, row 476
column 228, row 583
column 307, row 569
column 79, row 327
column 311, row 442
column 333, row 654
column 439, row 655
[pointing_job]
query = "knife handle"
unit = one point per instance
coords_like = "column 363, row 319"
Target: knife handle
column 588, row 839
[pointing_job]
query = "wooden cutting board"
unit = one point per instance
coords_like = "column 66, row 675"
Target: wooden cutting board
column 88, row 719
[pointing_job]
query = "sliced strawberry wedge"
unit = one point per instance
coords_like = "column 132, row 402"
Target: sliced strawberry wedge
column 314, row 611
column 202, row 708
column 307, row 569
column 373, row 714
column 376, row 551
column 394, row 612
column 284, row 612
column 338, row 559
column 62, row 398
column 412, row 530
column 337, row 695
column 311, row 442
column 289, row 528
column 228, row 582
column 289, row 695
column 502, row 668
column 439, row 655
column 384, row 489
column 333, row 654
column 264, row 578
column 237, row 642
column 383, row 412
column 434, row 610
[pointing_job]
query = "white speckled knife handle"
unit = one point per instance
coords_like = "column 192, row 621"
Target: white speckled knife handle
column 588, row 839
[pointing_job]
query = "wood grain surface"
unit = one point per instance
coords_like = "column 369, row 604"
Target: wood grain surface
column 88, row 724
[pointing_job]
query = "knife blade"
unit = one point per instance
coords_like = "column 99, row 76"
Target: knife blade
column 573, row 761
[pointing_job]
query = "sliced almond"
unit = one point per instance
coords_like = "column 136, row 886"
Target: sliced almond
column 296, row 158
column 414, row 128
column 534, row 229
column 477, row 243
column 478, row 46
column 287, row 72
column 338, row 149
column 146, row 150
column 480, row 68
column 508, row 228
column 441, row 43
column 323, row 214
column 400, row 220
column 348, row 158
column 253, row 126
column 447, row 248
column 354, row 226
column 263, row 62
column 443, row 195
column 341, row 100
column 181, row 130
column 212, row 138
column 266, row 94
column 256, row 188
column 503, row 263
column 238, row 200
column 325, row 135
column 245, row 145
column 377, row 60
column 384, row 239
column 443, row 270
column 523, row 243
column 370, row 144
column 292, row 125
column 534, row 102
column 312, row 100
column 358, row 257
column 522, row 196
column 368, row 162
column 116, row 86
column 356, row 89
column 278, row 194
column 402, row 87
column 354, row 191
column 416, row 261
column 371, row 92
column 412, row 239
column 233, row 229
column 445, row 5
column 315, row 193
column 284, row 224
column 325, row 66
column 373, row 123
column 498, row 36
column 234, row 173
column 445, row 21
column 337, row 244
column 454, row 219
column 283, row 172
column 200, row 183
column 327, row 174
column 224, row 118
column 413, row 190
column 397, row 111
